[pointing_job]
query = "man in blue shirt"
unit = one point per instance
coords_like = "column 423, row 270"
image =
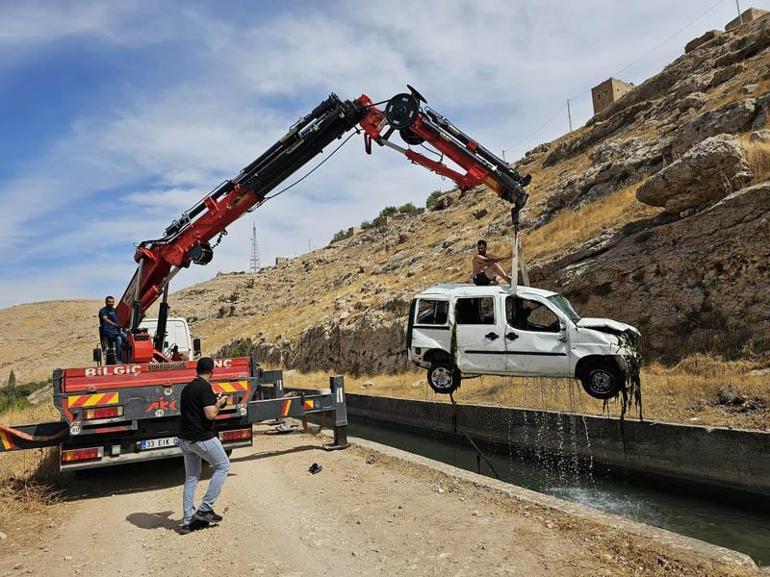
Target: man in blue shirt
column 109, row 329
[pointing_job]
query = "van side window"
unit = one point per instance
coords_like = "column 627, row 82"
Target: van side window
column 430, row 312
column 527, row 315
column 475, row 311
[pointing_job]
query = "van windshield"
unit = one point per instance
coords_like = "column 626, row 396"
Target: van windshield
column 565, row 306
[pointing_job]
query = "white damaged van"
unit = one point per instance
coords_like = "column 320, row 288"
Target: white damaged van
column 460, row 330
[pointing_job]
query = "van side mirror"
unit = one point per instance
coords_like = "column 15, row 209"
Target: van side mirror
column 196, row 347
column 96, row 354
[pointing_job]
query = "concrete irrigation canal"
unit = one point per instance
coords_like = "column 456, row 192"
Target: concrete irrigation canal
column 712, row 484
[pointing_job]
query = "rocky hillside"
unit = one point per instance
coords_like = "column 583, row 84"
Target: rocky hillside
column 657, row 212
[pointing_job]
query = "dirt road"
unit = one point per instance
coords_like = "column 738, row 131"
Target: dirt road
column 363, row 515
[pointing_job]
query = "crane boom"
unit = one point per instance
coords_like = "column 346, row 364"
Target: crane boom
column 188, row 239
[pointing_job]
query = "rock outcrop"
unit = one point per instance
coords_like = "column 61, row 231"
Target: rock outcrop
column 701, row 40
column 697, row 284
column 732, row 118
column 709, row 171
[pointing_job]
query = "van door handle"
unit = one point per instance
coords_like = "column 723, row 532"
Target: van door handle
column 563, row 339
column 491, row 336
column 511, row 336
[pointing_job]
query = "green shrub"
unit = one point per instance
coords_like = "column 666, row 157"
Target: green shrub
column 16, row 397
column 236, row 348
column 366, row 225
column 388, row 211
column 407, row 208
column 343, row 234
column 431, row 201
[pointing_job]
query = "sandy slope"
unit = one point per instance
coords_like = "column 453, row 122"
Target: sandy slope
column 39, row 337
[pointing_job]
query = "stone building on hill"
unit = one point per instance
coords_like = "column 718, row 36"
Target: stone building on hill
column 608, row 92
column 747, row 16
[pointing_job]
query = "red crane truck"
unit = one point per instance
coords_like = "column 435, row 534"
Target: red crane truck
column 115, row 413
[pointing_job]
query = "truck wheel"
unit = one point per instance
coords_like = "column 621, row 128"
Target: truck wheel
column 443, row 377
column 602, row 380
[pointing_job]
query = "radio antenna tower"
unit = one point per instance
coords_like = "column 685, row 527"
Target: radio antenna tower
column 254, row 263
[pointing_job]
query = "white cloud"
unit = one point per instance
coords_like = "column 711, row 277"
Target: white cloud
column 35, row 22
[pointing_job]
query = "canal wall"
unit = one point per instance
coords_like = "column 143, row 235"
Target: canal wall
column 734, row 459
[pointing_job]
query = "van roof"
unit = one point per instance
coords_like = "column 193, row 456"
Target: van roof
column 469, row 290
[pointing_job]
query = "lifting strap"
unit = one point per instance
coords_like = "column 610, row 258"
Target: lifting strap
column 518, row 262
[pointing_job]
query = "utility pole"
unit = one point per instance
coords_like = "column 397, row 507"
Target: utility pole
column 569, row 113
column 254, row 263
column 740, row 14
column 504, row 154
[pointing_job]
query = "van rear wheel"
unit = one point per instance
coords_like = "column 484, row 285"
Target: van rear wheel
column 443, row 377
column 602, row 380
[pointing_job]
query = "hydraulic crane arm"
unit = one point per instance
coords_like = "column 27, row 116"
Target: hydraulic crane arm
column 416, row 125
column 188, row 238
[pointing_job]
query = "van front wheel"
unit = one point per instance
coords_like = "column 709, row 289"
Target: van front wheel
column 602, row 380
column 443, row 378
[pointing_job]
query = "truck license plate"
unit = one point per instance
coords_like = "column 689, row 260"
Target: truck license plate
column 158, row 443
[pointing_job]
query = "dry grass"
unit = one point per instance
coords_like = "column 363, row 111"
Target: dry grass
column 570, row 227
column 29, row 480
column 758, row 155
column 687, row 393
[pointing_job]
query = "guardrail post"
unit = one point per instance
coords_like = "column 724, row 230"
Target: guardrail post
column 337, row 386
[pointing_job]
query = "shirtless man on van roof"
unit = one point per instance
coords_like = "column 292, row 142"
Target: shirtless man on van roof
column 486, row 270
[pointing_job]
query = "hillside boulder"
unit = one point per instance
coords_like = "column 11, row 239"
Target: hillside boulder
column 728, row 72
column 701, row 40
column 695, row 100
column 731, row 118
column 706, row 173
column 763, row 111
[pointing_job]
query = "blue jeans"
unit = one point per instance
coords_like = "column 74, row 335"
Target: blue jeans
column 118, row 348
column 116, row 340
column 214, row 454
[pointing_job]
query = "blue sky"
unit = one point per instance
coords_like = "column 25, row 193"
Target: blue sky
column 115, row 117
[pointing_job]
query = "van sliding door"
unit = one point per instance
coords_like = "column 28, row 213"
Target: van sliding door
column 480, row 341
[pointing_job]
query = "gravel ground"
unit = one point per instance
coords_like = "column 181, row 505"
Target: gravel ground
column 364, row 514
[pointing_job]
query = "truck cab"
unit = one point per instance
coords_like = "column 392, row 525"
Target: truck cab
column 177, row 335
column 459, row 330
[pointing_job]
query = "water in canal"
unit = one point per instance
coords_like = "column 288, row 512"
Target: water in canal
column 714, row 518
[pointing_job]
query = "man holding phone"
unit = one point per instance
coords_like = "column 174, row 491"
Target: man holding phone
column 198, row 440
